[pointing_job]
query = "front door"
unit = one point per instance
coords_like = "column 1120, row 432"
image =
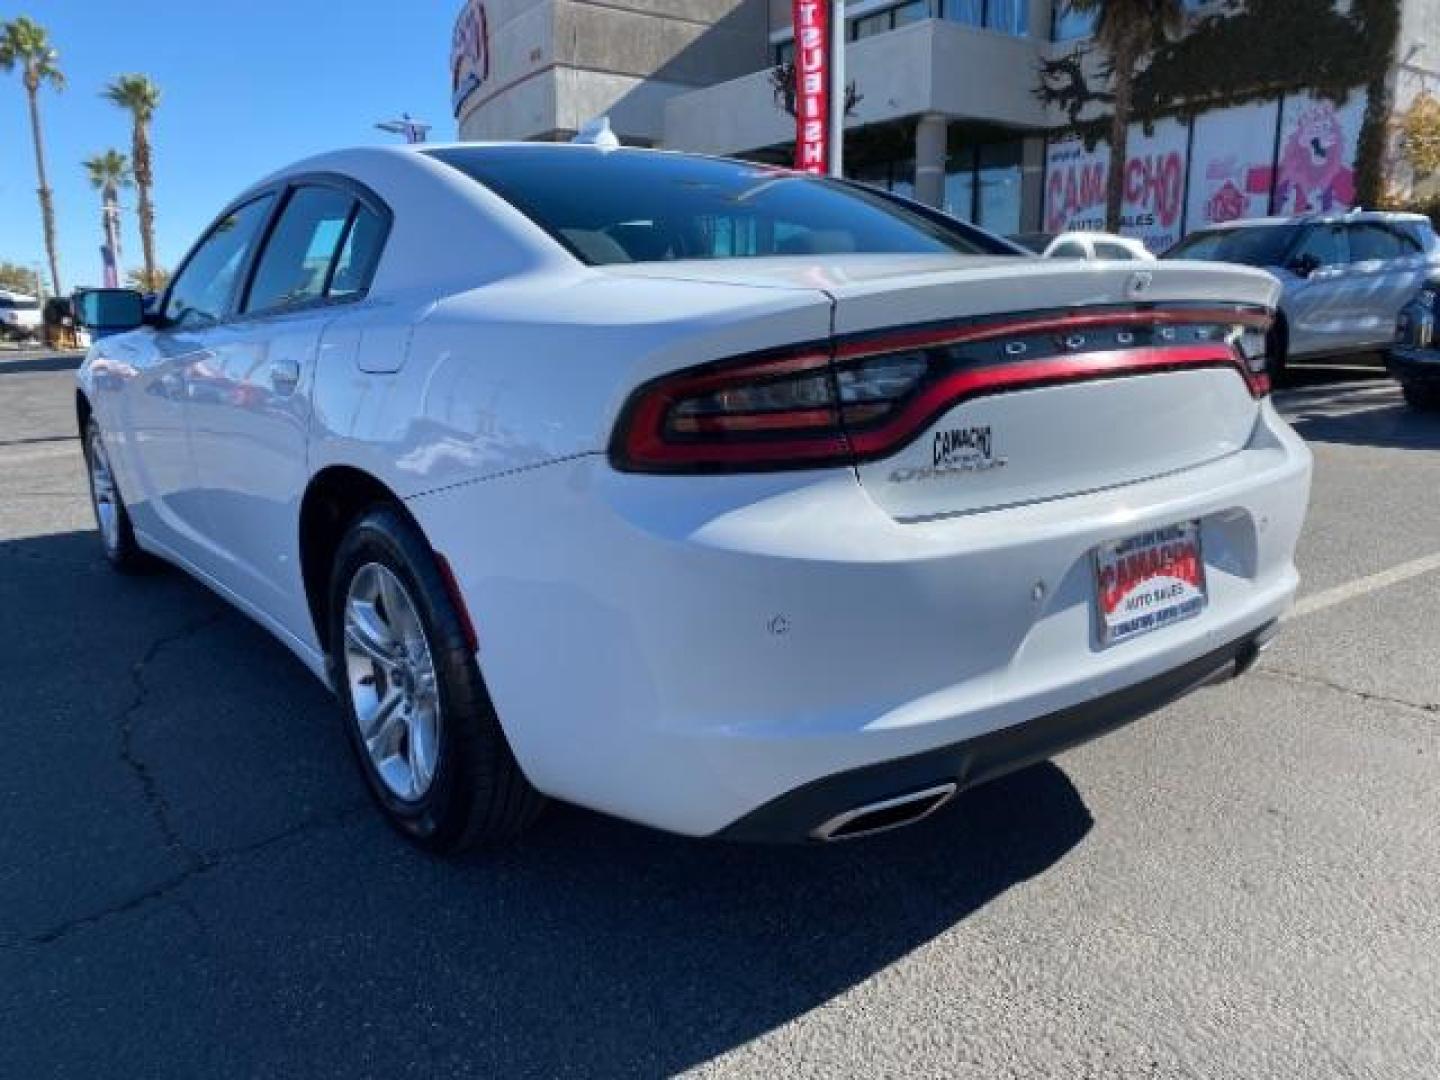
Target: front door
column 162, row 372
column 1318, row 304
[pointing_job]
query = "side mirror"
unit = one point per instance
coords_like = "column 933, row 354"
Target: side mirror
column 1303, row 265
column 109, row 311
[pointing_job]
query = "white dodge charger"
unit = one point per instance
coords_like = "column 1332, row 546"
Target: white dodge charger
column 706, row 494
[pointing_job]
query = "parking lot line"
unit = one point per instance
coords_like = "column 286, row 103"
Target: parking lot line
column 1370, row 583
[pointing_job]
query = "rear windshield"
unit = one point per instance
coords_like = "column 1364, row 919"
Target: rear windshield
column 1033, row 241
column 10, row 304
column 1259, row 245
column 632, row 206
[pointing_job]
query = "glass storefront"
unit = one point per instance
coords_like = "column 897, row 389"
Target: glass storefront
column 983, row 185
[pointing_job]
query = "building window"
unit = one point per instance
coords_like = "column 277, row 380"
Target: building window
column 982, row 185
column 1068, row 24
column 1008, row 16
column 998, row 187
column 896, row 176
column 960, row 187
column 969, row 12
column 871, row 25
column 785, row 52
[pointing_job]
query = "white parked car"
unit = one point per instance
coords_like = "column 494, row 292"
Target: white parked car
column 19, row 316
column 705, row 494
column 1104, row 246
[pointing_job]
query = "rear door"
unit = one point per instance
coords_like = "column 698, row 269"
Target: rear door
column 1378, row 280
column 249, row 434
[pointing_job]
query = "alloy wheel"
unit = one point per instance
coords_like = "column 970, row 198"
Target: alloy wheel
column 391, row 677
column 103, row 493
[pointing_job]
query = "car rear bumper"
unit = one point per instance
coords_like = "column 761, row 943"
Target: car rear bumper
column 834, row 807
column 683, row 652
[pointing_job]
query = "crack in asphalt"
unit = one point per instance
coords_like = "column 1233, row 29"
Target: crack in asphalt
column 155, row 800
column 205, row 863
column 194, row 862
column 1431, row 709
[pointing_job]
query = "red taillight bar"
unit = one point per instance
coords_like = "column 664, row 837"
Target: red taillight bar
column 945, row 393
column 815, row 435
column 653, row 437
column 959, row 334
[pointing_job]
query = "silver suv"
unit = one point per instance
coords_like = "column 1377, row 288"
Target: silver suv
column 1345, row 276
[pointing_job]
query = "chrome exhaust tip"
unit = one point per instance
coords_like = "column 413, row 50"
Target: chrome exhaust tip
column 878, row 817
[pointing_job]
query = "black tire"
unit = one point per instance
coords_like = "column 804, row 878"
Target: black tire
column 1424, row 396
column 119, row 544
column 1277, row 353
column 478, row 795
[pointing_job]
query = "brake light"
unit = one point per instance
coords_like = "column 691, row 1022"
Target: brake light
column 783, row 412
column 807, row 408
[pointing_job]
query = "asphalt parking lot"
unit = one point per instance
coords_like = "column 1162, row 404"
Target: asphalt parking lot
column 1246, row 884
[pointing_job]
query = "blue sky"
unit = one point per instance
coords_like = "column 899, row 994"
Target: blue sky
column 249, row 85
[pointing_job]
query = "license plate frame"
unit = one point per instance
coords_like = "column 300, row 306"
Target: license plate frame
column 1149, row 580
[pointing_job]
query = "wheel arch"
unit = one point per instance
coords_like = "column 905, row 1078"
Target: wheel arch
column 334, row 498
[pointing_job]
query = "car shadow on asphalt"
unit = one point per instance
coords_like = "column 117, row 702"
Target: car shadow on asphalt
column 590, row 947
column 10, row 365
column 1355, row 406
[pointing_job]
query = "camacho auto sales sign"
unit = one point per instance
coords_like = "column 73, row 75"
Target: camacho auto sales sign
column 469, row 53
column 812, row 79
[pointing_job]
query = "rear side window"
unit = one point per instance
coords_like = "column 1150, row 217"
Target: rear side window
column 358, row 254
column 295, row 266
column 638, row 206
column 1416, row 233
column 1370, row 242
column 201, row 295
column 1113, row 252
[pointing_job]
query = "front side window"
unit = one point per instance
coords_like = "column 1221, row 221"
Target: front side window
column 295, row 266
column 640, row 206
column 1069, row 249
column 1323, row 245
column 201, row 294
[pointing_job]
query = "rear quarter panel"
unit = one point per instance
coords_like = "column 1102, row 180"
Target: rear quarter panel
column 534, row 369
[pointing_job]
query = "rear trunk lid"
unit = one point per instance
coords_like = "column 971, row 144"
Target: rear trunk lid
column 1065, row 377
column 1044, row 378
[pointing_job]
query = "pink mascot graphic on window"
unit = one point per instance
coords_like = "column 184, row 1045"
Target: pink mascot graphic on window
column 1314, row 174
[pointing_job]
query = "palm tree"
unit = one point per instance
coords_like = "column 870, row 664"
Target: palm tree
column 108, row 173
column 140, row 97
column 26, row 45
column 1128, row 31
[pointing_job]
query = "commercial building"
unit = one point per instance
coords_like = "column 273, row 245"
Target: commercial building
column 945, row 103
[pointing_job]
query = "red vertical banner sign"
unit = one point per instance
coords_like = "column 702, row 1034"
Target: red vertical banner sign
column 812, row 84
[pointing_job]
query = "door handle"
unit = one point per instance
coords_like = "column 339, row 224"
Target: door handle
column 284, row 376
